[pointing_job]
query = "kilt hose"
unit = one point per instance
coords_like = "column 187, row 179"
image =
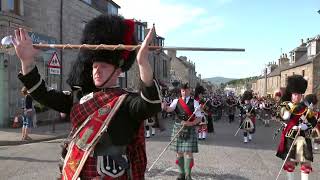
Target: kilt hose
column 188, row 143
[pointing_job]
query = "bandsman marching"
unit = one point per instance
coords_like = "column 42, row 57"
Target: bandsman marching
column 295, row 146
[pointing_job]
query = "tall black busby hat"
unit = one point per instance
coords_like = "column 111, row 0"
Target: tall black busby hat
column 103, row 29
column 184, row 86
column 295, row 84
column 199, row 90
column 113, row 30
column 311, row 98
column 247, row 95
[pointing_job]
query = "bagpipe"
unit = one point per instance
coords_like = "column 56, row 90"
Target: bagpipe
column 305, row 111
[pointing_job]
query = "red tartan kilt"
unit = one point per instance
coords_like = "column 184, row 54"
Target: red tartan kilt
column 137, row 158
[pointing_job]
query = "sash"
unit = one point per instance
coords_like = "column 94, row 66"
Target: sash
column 186, row 109
column 87, row 136
column 289, row 126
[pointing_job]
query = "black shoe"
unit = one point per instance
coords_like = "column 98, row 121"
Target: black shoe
column 188, row 177
column 181, row 177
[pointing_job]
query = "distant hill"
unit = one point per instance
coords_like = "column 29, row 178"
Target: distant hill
column 218, row 80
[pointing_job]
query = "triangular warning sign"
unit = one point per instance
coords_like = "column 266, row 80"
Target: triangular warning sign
column 54, row 61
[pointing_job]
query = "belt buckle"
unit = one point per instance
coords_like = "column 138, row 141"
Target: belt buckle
column 291, row 133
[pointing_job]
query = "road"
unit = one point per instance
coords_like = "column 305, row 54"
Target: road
column 222, row 157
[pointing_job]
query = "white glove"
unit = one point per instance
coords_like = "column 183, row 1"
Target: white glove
column 286, row 115
column 303, row 126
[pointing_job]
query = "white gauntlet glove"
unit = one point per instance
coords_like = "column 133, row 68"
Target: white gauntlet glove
column 303, row 126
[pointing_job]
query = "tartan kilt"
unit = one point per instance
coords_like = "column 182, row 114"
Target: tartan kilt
column 185, row 145
column 307, row 150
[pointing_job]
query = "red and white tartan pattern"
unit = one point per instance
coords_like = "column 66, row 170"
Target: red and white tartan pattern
column 136, row 150
column 80, row 112
column 137, row 155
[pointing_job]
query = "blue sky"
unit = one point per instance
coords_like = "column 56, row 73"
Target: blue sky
column 263, row 28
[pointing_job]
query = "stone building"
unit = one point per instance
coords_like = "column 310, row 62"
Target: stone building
column 303, row 60
column 182, row 69
column 160, row 61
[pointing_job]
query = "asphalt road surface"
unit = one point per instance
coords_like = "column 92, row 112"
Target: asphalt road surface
column 222, row 157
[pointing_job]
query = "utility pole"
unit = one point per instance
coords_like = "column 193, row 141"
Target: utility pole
column 265, row 81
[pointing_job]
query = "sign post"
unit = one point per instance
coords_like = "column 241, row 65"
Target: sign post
column 54, row 67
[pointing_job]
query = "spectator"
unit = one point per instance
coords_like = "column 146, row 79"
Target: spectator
column 28, row 114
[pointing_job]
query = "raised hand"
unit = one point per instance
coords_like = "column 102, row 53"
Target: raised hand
column 24, row 50
column 145, row 69
column 143, row 52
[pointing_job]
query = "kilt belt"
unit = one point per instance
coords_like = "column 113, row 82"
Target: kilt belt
column 292, row 133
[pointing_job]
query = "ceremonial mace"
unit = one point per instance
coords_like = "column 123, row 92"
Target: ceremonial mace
column 284, row 162
column 7, row 43
column 175, row 136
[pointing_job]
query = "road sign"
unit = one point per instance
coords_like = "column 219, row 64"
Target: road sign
column 54, row 71
column 54, row 61
column 54, row 64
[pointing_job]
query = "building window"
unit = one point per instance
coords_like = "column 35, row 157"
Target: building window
column 112, row 9
column 303, row 73
column 13, row 6
column 83, row 24
column 87, row 1
column 165, row 73
column 293, row 60
column 312, row 48
column 285, row 80
column 140, row 32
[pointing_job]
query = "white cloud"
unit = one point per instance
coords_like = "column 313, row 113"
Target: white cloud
column 169, row 17
column 208, row 24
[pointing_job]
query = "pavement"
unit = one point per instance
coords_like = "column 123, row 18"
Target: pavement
column 12, row 136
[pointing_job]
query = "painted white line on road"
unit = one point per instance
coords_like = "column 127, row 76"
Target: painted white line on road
column 171, row 168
